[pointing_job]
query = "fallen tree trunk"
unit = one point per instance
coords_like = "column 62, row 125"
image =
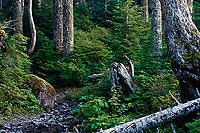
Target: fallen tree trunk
column 156, row 119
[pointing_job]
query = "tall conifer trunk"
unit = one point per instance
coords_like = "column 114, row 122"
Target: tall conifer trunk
column 58, row 24
column 183, row 42
column 157, row 29
column 68, row 27
column 17, row 16
column 127, row 8
column 145, row 4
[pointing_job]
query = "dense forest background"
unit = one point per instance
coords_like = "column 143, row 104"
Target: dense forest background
column 101, row 36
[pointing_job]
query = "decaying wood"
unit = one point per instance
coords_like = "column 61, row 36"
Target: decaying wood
column 157, row 119
column 95, row 76
column 131, row 66
column 120, row 76
column 174, row 98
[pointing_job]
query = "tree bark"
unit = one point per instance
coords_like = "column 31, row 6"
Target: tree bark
column 17, row 16
column 145, row 4
column 32, row 27
column 58, row 24
column 105, row 10
column 68, row 27
column 127, row 8
column 190, row 5
column 121, row 77
column 157, row 29
column 1, row 5
column 22, row 8
column 156, row 119
column 183, row 42
column 130, row 65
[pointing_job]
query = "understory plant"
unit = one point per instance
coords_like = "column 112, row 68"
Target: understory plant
column 15, row 98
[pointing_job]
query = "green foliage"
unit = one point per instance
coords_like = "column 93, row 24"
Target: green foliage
column 100, row 112
column 126, row 39
column 90, row 55
column 102, row 108
column 194, row 126
column 14, row 66
column 196, row 14
column 91, row 50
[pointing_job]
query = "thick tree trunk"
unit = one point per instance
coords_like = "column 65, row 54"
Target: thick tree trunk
column 145, row 4
column 157, row 29
column 156, row 119
column 183, row 42
column 58, row 24
column 68, row 27
column 32, row 27
column 17, row 16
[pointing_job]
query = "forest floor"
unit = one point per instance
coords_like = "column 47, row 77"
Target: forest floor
column 59, row 119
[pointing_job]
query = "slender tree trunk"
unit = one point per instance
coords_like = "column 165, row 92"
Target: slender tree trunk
column 58, row 24
column 92, row 8
column 32, row 27
column 156, row 119
column 68, row 27
column 22, row 8
column 17, row 16
column 127, row 7
column 183, row 42
column 145, row 4
column 1, row 5
column 157, row 29
column 105, row 10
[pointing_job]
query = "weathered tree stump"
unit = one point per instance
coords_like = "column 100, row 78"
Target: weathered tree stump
column 120, row 76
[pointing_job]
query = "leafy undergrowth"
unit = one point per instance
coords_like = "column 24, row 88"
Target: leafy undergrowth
column 15, row 97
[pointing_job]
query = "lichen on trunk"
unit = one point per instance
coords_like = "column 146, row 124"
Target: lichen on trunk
column 183, row 42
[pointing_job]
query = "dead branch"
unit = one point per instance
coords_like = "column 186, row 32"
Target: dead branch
column 131, row 66
column 174, row 98
column 156, row 119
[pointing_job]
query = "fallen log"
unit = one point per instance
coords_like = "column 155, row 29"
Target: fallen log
column 156, row 119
